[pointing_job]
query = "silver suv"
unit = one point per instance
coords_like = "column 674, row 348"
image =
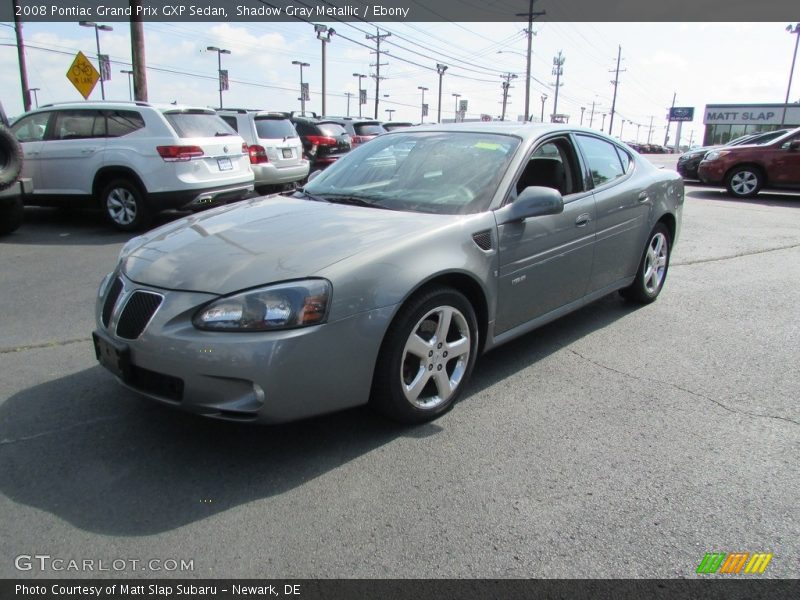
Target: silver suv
column 276, row 152
column 132, row 159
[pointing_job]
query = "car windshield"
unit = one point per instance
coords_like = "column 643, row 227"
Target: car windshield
column 198, row 124
column 434, row 172
column 269, row 128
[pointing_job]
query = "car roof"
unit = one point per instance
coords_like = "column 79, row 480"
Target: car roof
column 524, row 130
column 122, row 105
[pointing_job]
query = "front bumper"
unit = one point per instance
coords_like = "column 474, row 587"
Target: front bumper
column 266, row 377
column 711, row 172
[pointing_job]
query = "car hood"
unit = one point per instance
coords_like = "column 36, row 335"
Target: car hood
column 263, row 241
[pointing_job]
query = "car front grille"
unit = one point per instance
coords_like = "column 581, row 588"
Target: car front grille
column 111, row 300
column 138, row 311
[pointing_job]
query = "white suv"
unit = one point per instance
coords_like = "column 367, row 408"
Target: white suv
column 276, row 152
column 132, row 159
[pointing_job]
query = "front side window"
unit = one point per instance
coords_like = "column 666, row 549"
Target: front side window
column 31, row 128
column 432, row 172
column 602, row 158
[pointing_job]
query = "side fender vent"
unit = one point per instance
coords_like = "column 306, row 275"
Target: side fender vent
column 483, row 239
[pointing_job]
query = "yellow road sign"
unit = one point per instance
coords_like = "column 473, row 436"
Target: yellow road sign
column 83, row 75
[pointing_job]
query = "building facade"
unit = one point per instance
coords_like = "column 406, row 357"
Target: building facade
column 725, row 122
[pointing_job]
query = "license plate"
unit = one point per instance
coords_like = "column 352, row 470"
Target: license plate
column 287, row 153
column 115, row 358
column 225, row 164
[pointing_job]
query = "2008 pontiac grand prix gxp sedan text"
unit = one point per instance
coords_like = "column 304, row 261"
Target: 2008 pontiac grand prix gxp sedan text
column 388, row 274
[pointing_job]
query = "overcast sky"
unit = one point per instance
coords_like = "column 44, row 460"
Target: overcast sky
column 704, row 63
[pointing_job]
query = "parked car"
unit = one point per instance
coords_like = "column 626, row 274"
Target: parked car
column 324, row 142
column 745, row 170
column 275, row 149
column 689, row 162
column 131, row 159
column 360, row 130
column 392, row 125
column 385, row 276
column 12, row 189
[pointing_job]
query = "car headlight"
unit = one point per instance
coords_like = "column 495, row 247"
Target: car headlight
column 282, row 306
column 715, row 154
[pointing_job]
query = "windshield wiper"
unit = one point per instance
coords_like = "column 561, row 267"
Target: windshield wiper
column 222, row 134
column 310, row 196
column 354, row 200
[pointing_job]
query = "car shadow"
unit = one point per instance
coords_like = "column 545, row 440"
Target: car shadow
column 100, row 457
column 787, row 200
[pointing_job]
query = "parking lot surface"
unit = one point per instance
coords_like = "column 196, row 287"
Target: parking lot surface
column 615, row 442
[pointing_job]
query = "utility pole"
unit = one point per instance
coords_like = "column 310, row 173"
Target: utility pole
column 440, row 69
column 544, row 98
column 378, row 37
column 666, row 132
column 583, row 108
column 137, row 52
column 349, row 95
column 23, row 69
column 591, row 115
column 650, row 130
column 455, row 114
column 422, row 105
column 796, row 32
column 323, row 35
column 506, row 85
column 558, row 71
column 615, row 83
column 530, row 14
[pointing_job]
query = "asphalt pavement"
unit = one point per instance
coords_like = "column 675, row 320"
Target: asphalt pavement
column 615, row 442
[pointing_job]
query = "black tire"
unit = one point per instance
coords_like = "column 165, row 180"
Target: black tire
column 648, row 283
column 124, row 205
column 10, row 158
column 10, row 215
column 452, row 355
column 744, row 182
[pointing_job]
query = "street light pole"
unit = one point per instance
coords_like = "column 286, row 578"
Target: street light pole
column 440, row 69
column 544, row 98
column 35, row 97
column 97, row 30
column 324, row 35
column 796, row 32
column 302, row 95
column 360, row 77
column 455, row 117
column 129, row 73
column 583, row 108
column 220, row 52
column 391, row 112
column 422, row 106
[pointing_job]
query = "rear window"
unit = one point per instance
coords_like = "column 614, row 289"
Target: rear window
column 369, row 129
column 198, row 124
column 331, row 129
column 271, row 129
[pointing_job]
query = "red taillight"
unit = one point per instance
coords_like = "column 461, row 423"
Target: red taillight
column 257, row 154
column 361, row 139
column 321, row 140
column 179, row 153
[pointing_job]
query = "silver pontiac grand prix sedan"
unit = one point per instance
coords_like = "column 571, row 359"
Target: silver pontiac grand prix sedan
column 384, row 278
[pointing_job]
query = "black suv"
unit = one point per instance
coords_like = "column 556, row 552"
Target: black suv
column 324, row 142
column 361, row 130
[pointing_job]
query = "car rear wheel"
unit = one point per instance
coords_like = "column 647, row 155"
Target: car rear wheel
column 427, row 357
column 744, row 182
column 124, row 205
column 652, row 271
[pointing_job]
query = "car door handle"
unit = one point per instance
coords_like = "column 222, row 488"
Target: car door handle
column 643, row 197
column 583, row 220
column 88, row 150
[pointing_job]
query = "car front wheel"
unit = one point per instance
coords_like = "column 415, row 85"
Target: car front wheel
column 744, row 182
column 427, row 357
column 124, row 205
column 653, row 266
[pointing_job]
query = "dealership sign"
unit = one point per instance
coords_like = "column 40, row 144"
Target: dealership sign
column 681, row 113
column 742, row 114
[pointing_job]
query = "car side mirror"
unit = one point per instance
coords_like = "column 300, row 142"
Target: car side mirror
column 313, row 175
column 533, row 201
column 793, row 146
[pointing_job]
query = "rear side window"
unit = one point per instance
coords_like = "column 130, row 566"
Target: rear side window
column 271, row 129
column 369, row 129
column 198, row 124
column 331, row 129
column 231, row 121
column 604, row 162
column 79, row 124
column 123, row 122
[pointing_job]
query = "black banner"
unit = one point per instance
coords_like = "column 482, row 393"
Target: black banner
column 400, row 10
column 400, row 589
